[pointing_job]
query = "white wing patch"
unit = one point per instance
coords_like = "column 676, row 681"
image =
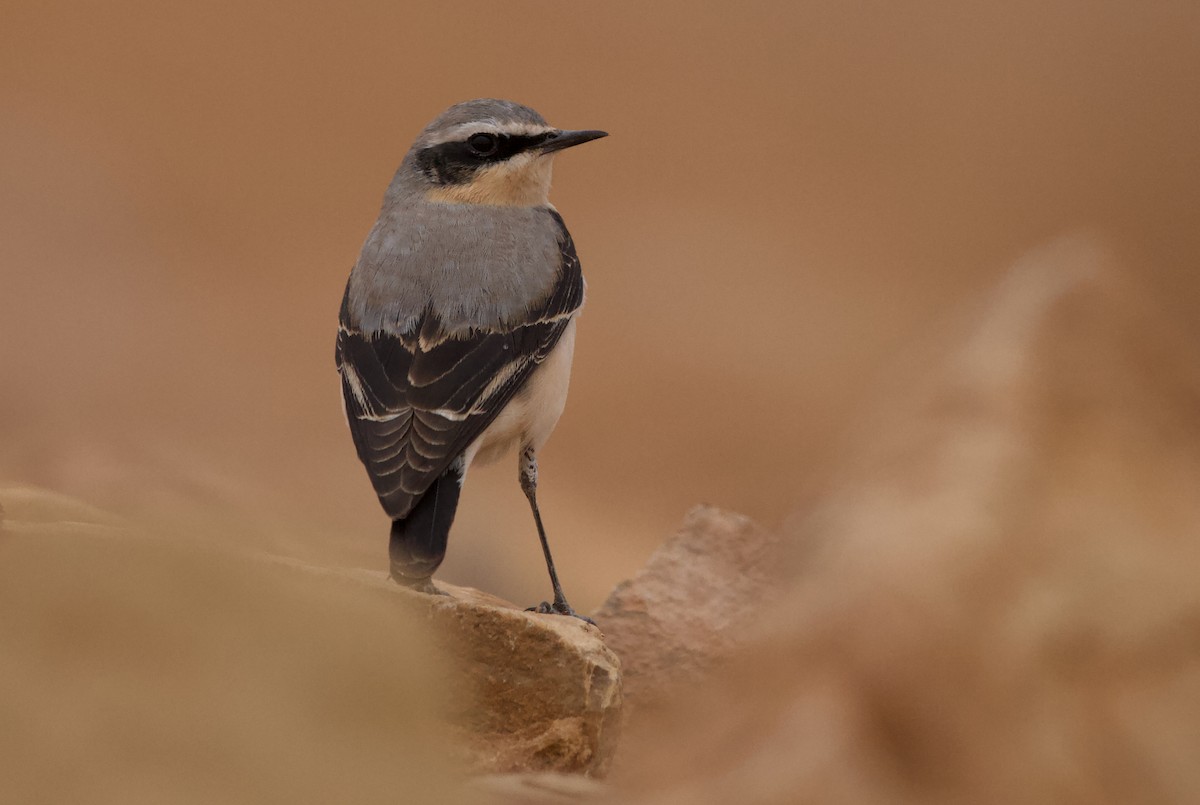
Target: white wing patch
column 356, row 387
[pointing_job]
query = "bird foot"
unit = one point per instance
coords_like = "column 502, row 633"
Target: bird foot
column 559, row 608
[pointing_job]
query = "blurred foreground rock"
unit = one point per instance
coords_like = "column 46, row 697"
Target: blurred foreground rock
column 139, row 669
column 538, row 788
column 29, row 510
column 122, row 639
column 998, row 601
column 528, row 692
column 691, row 604
column 531, row 692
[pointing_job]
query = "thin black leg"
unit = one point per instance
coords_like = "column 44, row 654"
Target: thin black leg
column 529, row 474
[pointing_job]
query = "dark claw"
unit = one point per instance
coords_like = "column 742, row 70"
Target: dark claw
column 559, row 608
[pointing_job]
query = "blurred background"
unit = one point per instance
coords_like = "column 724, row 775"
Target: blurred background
column 790, row 193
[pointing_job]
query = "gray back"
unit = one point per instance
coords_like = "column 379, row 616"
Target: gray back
column 477, row 266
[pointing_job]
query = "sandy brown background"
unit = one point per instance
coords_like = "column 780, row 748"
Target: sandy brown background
column 791, row 193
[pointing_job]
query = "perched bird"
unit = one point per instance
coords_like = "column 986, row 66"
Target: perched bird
column 458, row 324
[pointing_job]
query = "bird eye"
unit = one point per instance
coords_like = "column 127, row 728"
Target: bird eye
column 482, row 144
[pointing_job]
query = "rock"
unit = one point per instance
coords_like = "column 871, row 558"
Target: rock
column 529, row 692
column 539, row 693
column 124, row 652
column 30, row 510
column 538, row 788
column 691, row 604
column 141, row 669
column 997, row 602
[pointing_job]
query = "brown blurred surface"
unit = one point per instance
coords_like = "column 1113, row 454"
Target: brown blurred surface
column 997, row 602
column 790, row 192
column 137, row 669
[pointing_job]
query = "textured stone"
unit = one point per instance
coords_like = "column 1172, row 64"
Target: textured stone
column 997, row 601
column 285, row 653
column 537, row 692
column 528, row 692
column 691, row 604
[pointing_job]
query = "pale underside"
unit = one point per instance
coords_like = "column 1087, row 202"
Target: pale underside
column 529, row 419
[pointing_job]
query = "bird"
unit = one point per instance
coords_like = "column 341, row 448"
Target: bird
column 457, row 328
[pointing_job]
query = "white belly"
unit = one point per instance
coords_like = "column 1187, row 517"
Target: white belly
column 530, row 417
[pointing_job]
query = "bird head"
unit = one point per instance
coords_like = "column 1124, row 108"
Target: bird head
column 488, row 151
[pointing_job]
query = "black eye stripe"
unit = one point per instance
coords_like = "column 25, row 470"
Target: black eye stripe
column 455, row 162
column 508, row 145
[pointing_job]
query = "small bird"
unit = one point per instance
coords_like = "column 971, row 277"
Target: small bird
column 457, row 328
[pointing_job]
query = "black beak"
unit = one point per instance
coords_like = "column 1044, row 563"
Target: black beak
column 565, row 139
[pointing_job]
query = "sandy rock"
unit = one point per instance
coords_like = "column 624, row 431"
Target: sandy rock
column 538, row 788
column 283, row 653
column 140, row 669
column 691, row 604
column 529, row 692
column 997, row 603
column 30, row 510
column 539, row 693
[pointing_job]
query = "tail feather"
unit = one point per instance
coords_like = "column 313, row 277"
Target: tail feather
column 418, row 542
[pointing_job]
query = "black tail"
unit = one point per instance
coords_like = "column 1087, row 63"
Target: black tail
column 419, row 540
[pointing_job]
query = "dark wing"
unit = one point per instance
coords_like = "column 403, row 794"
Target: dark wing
column 416, row 400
